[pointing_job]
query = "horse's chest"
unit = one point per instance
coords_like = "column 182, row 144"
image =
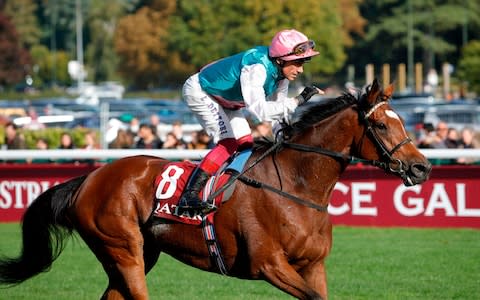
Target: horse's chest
column 305, row 242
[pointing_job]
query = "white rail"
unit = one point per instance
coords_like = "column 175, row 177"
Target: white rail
column 175, row 154
column 99, row 154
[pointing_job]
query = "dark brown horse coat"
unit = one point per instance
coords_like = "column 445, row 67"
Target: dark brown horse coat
column 262, row 235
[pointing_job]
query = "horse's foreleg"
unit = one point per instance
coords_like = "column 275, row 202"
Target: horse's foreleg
column 281, row 274
column 316, row 277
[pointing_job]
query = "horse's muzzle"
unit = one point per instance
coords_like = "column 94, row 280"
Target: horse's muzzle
column 417, row 173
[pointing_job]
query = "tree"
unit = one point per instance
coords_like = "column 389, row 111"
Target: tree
column 166, row 41
column 100, row 55
column 203, row 31
column 23, row 16
column 469, row 65
column 437, row 31
column 14, row 60
column 141, row 43
column 44, row 61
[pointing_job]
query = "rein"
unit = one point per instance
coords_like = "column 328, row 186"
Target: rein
column 306, row 148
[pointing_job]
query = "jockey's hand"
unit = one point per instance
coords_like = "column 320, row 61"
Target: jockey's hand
column 307, row 93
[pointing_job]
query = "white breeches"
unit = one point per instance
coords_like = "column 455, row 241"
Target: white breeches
column 218, row 122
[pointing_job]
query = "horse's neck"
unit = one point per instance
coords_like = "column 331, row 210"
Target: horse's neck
column 316, row 173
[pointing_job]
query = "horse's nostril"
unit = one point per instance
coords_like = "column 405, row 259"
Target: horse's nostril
column 421, row 169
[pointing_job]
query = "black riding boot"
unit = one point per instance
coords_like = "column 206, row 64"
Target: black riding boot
column 190, row 200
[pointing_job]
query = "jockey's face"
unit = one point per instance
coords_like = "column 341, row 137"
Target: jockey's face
column 291, row 69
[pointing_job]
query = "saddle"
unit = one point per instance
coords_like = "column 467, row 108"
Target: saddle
column 174, row 177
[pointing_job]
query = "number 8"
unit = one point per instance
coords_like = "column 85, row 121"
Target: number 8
column 172, row 179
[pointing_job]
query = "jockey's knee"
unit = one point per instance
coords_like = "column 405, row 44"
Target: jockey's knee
column 230, row 145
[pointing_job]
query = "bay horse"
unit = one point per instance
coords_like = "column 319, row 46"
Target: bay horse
column 262, row 233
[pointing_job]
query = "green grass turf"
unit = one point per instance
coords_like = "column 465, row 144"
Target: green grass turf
column 365, row 263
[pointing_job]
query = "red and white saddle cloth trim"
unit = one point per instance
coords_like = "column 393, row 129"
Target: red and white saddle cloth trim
column 169, row 187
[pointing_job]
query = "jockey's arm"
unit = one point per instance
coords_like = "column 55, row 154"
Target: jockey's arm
column 252, row 80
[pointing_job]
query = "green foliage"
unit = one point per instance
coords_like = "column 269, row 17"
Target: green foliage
column 23, row 15
column 438, row 28
column 238, row 25
column 469, row 66
column 51, row 135
column 49, row 66
column 100, row 54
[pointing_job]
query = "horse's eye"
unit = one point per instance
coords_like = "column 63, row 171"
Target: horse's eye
column 381, row 126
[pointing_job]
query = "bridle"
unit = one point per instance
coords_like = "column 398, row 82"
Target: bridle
column 391, row 164
column 387, row 161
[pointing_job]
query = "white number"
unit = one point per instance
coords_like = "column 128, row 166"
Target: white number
column 172, row 179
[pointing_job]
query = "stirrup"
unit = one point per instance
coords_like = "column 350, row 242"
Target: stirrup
column 194, row 207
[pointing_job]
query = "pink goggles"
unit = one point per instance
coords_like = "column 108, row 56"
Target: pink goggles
column 301, row 48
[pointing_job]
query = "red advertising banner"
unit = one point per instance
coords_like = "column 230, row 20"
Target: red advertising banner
column 369, row 197
column 20, row 184
column 365, row 196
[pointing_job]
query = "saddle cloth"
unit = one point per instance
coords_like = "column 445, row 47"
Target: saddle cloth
column 173, row 178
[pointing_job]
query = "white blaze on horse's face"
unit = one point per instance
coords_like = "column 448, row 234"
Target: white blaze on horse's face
column 392, row 114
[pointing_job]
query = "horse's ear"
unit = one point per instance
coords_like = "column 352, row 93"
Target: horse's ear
column 388, row 91
column 373, row 92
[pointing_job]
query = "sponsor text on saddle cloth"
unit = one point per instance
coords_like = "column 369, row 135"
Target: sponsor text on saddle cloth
column 173, row 178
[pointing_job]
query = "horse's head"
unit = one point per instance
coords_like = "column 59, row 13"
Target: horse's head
column 385, row 139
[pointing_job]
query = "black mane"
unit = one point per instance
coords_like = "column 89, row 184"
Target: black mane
column 319, row 111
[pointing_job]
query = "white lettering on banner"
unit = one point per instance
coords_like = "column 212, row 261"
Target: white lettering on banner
column 417, row 203
column 6, row 198
column 462, row 210
column 358, row 199
column 439, row 200
column 11, row 191
column 406, row 204
column 342, row 209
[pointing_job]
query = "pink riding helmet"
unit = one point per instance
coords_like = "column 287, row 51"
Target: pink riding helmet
column 285, row 42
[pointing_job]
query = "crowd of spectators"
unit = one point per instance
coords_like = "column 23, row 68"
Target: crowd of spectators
column 149, row 135
column 442, row 136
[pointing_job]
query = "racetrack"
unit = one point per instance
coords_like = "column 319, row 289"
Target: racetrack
column 365, row 263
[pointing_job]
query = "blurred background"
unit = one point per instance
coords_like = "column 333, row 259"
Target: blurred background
column 109, row 67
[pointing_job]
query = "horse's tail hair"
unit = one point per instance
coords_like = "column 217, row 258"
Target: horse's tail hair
column 44, row 229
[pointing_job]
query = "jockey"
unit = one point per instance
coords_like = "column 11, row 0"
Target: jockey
column 247, row 79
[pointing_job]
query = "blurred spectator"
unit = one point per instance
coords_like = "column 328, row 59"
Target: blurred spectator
column 114, row 125
column 34, row 123
column 155, row 122
column 201, row 140
column 13, row 139
column 91, row 140
column 172, row 142
column 134, row 125
column 467, row 141
column 148, row 138
column 452, row 140
column 66, row 141
column 41, row 144
column 177, row 130
column 436, row 139
column 124, row 140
